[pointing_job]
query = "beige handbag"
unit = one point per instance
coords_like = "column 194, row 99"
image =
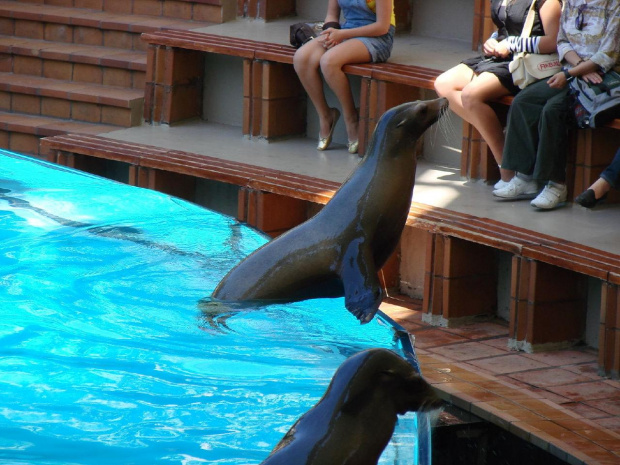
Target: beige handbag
column 531, row 67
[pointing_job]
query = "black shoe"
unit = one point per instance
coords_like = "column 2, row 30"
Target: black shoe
column 588, row 199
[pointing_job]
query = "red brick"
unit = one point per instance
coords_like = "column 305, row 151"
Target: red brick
column 58, row 33
column 88, row 112
column 88, row 73
column 30, row 29
column 53, row 69
column 87, row 36
column 27, row 65
column 30, row 104
column 148, row 7
column 55, row 107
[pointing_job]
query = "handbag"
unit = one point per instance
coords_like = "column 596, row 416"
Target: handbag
column 531, row 67
column 300, row 33
column 594, row 105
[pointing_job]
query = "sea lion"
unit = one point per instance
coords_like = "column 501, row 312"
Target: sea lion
column 355, row 418
column 339, row 250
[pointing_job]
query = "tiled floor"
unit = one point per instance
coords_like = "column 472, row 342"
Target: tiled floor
column 556, row 400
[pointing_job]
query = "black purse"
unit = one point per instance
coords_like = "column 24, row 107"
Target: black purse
column 300, row 33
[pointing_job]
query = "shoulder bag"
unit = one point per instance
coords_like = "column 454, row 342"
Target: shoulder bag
column 595, row 105
column 531, row 67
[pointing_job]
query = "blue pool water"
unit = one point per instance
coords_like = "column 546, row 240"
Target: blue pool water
column 105, row 354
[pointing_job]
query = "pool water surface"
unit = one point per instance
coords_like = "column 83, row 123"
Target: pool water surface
column 106, row 352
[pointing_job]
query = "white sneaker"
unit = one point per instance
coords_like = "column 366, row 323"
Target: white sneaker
column 500, row 184
column 552, row 195
column 518, row 188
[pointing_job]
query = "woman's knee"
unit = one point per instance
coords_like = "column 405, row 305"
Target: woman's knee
column 444, row 83
column 472, row 97
column 303, row 60
column 329, row 66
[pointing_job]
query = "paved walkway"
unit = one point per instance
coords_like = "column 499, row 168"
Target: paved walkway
column 556, row 400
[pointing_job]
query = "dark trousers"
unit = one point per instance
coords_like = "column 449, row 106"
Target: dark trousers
column 611, row 174
column 537, row 132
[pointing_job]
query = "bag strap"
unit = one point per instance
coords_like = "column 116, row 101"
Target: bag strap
column 529, row 21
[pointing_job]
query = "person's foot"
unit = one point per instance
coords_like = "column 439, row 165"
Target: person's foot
column 517, row 189
column 325, row 141
column 352, row 123
column 500, row 184
column 551, row 196
column 594, row 195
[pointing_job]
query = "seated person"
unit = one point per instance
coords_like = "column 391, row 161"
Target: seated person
column 539, row 118
column 597, row 192
column 366, row 35
column 471, row 85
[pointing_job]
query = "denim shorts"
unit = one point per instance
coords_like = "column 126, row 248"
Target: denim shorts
column 380, row 47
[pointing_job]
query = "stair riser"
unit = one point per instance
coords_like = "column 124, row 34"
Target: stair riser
column 76, row 111
column 72, row 34
column 201, row 10
column 76, row 72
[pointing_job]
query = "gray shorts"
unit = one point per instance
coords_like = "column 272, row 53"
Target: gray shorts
column 380, row 47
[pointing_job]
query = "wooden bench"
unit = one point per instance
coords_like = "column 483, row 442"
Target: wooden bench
column 272, row 89
column 270, row 83
column 275, row 201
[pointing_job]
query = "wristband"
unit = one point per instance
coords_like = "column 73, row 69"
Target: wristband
column 332, row 24
column 567, row 74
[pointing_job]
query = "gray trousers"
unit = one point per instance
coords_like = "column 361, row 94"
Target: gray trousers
column 537, row 132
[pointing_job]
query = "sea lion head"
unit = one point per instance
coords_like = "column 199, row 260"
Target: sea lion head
column 381, row 373
column 400, row 127
column 355, row 419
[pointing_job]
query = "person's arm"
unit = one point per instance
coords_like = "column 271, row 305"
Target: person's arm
column 549, row 14
column 333, row 12
column 608, row 54
column 605, row 58
column 380, row 27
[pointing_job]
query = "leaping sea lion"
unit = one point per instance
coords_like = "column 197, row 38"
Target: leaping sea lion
column 355, row 418
column 339, row 251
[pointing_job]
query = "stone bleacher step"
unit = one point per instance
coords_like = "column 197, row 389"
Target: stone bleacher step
column 83, row 25
column 91, row 103
column 73, row 62
column 22, row 133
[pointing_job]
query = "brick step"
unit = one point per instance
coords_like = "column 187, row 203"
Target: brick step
column 72, row 62
column 196, row 10
column 22, row 133
column 84, row 26
column 91, row 103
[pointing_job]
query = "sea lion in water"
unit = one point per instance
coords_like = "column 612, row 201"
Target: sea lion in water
column 339, row 250
column 355, row 418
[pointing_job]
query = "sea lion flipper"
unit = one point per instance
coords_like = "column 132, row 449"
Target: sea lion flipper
column 362, row 290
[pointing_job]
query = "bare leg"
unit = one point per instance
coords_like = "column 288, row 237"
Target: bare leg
column 476, row 95
column 468, row 95
column 349, row 51
column 306, row 62
column 450, row 85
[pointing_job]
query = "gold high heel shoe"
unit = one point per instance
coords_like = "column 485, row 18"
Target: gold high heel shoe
column 325, row 141
column 353, row 146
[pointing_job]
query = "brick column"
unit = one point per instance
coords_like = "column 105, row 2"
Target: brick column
column 461, row 281
column 609, row 333
column 274, row 101
column 265, row 9
column 548, row 306
column 173, row 85
column 273, row 214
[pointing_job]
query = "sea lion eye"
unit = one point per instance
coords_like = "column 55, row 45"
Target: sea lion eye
column 402, row 123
